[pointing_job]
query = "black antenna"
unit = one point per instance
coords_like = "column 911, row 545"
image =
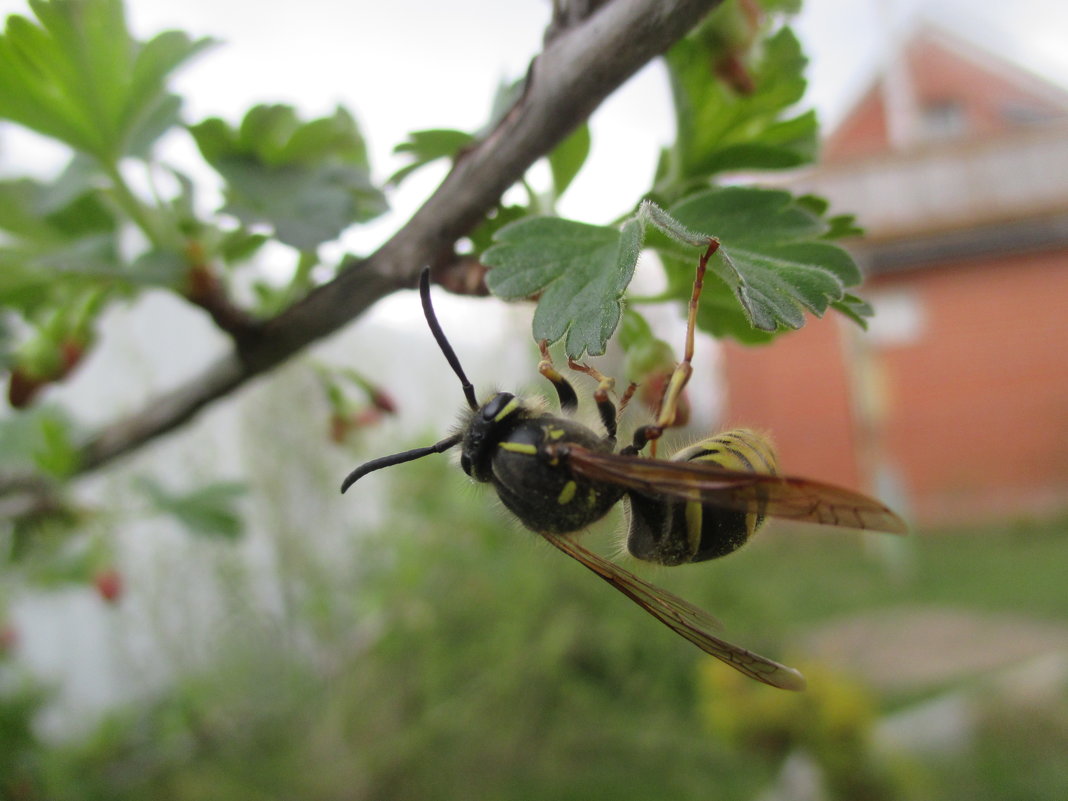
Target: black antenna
column 443, row 343
column 454, row 363
column 398, row 458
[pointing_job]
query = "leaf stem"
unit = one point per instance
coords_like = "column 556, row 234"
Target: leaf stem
column 134, row 208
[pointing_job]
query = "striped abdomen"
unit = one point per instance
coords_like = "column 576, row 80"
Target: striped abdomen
column 673, row 532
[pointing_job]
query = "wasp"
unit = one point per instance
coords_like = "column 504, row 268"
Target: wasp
column 558, row 477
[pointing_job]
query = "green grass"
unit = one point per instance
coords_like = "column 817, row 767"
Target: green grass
column 504, row 670
column 811, row 574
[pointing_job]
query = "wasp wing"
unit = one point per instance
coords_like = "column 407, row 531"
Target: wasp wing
column 780, row 496
column 681, row 617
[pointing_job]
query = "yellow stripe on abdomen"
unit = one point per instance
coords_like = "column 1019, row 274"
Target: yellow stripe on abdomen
column 737, row 449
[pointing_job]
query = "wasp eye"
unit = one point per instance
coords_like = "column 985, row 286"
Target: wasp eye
column 465, row 463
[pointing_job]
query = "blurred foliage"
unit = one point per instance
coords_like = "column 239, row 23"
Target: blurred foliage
column 467, row 660
column 208, row 511
column 74, row 73
column 21, row 751
column 41, row 437
column 832, row 722
column 308, row 181
column 1017, row 755
column 483, row 665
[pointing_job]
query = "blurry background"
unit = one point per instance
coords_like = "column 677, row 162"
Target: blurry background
column 408, row 641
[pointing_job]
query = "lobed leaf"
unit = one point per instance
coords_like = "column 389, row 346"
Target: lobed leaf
column 78, row 76
column 308, row 181
column 59, row 242
column 856, row 309
column 581, row 272
column 722, row 128
column 428, row 146
column 773, row 259
column 210, row 511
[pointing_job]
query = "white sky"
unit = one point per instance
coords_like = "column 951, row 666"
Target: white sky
column 411, row 64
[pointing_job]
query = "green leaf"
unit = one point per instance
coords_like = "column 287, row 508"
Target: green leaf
column 856, row 309
column 568, row 157
column 772, row 258
column 749, row 216
column 38, row 438
column 309, row 181
column 57, row 454
column 774, row 290
column 669, row 226
column 60, row 210
column 482, row 237
column 428, row 146
column 580, row 270
column 645, row 352
column 720, row 315
column 240, row 245
column 154, row 121
column 161, row 267
column 209, row 511
column 843, row 226
column 815, row 204
column 305, row 207
column 58, row 328
column 79, row 77
column 720, row 128
column 33, row 277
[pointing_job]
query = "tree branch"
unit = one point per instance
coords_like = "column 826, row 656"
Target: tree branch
column 580, row 66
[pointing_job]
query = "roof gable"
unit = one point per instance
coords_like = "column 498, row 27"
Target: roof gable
column 939, row 87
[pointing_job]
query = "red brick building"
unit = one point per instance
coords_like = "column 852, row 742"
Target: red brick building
column 955, row 404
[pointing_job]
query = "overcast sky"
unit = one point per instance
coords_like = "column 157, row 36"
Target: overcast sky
column 411, row 64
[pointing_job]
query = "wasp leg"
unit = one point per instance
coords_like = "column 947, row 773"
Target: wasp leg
column 624, row 399
column 605, row 408
column 564, row 390
column 669, row 403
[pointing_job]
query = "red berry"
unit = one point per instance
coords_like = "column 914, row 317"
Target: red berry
column 109, row 584
column 339, row 428
column 9, row 638
column 383, row 401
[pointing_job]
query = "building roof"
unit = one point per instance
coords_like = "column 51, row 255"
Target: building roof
column 936, row 87
column 951, row 149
